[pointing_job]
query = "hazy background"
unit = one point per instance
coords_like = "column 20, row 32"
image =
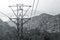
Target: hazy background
column 47, row 6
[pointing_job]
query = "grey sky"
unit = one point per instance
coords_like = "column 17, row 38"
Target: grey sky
column 47, row 6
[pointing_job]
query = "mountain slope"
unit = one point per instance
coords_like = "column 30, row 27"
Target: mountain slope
column 44, row 22
column 5, row 28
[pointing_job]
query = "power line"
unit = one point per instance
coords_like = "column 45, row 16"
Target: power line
column 26, row 11
column 33, row 7
column 36, row 6
column 13, row 11
column 4, row 14
column 7, row 16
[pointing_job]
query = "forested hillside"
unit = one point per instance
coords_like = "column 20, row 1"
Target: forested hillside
column 37, row 28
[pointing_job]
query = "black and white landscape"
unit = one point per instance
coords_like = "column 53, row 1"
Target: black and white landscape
column 36, row 27
column 29, row 19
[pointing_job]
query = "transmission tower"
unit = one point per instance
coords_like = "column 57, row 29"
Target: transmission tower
column 20, row 18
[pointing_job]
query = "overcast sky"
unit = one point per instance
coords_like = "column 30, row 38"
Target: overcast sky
column 47, row 6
